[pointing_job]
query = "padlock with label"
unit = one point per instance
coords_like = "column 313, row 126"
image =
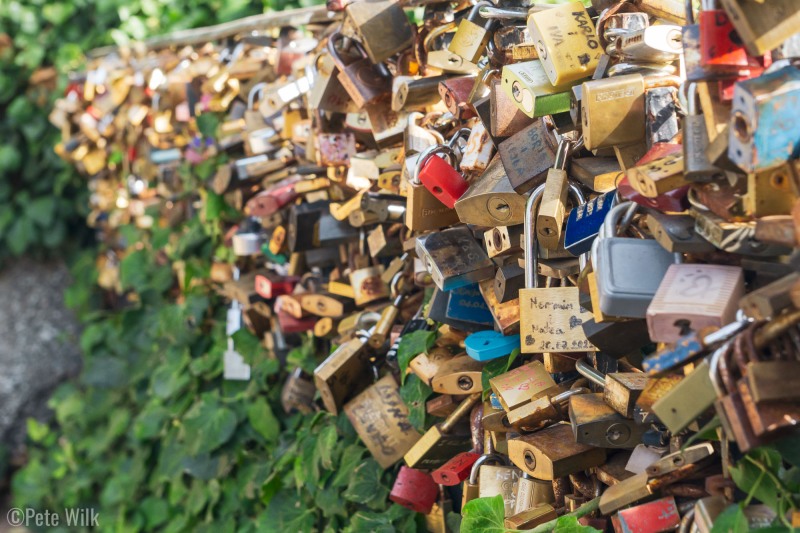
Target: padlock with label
column 343, row 374
column 527, row 156
column 550, row 318
column 380, row 417
column 565, row 58
column 519, row 386
column 694, row 296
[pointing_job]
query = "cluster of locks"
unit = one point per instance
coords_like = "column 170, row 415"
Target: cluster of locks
column 604, row 195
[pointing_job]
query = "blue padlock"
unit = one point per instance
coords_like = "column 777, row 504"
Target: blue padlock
column 488, row 345
column 466, row 304
column 584, row 222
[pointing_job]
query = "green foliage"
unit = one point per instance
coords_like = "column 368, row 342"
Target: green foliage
column 42, row 199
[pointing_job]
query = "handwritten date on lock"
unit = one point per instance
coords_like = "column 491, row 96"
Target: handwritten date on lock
column 553, row 321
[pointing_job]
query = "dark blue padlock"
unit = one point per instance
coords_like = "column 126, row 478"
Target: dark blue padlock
column 466, row 304
column 584, row 222
column 488, row 345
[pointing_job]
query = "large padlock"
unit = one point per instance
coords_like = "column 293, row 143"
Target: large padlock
column 527, row 85
column 363, row 81
column 550, row 318
column 344, row 373
column 613, row 109
column 454, row 258
column 566, row 40
column 552, row 453
column 762, row 133
column 628, row 271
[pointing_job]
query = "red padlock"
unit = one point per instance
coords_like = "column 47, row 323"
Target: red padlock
column 415, row 490
column 652, row 517
column 290, row 324
column 272, row 286
column 720, row 45
column 456, row 469
column 439, row 176
column 268, row 202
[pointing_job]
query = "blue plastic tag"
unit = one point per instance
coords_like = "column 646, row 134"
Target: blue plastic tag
column 488, row 345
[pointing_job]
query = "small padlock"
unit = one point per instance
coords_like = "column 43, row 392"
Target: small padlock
column 414, row 490
column 471, row 38
column 363, row 81
column 440, row 177
column 440, row 443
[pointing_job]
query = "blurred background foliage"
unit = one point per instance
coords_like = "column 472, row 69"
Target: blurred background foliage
column 42, row 200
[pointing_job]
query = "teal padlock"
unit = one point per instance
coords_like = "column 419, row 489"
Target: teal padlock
column 488, row 345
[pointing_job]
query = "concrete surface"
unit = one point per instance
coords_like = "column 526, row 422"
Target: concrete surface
column 38, row 344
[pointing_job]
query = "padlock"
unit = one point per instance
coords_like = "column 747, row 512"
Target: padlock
column 327, row 92
column 527, row 156
column 454, row 92
column 658, row 515
column 298, row 392
column 625, row 288
column 762, row 134
column 532, row 492
column 613, row 109
column 466, row 305
column 424, row 211
column 696, row 297
column 596, row 423
column 427, row 365
column 661, row 110
column 771, row 300
column 363, row 81
column 508, row 281
column 471, row 38
column 382, row 27
column 526, row 84
column 343, row 373
column 762, row 31
column 696, row 166
column 490, row 199
column 414, row 490
column 552, row 453
column 622, row 389
column 585, row 221
column 456, row 469
column 520, row 385
column 656, row 44
column 683, row 404
column 440, row 443
column 733, row 237
column 380, row 417
column 471, row 489
column 459, row 375
column 544, row 410
column 415, row 93
column 499, row 480
column 550, row 318
column 550, row 215
column 503, row 241
column 565, row 58
column 675, row 233
column 771, row 191
column 488, row 345
column 440, row 177
column 399, row 291
column 454, row 258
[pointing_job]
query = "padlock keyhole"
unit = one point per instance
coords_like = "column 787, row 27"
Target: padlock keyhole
column 741, row 128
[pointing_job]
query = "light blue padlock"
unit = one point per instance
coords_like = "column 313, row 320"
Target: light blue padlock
column 488, row 345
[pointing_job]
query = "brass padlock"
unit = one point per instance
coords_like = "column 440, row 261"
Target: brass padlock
column 343, row 374
column 471, row 39
column 440, row 443
column 553, row 453
column 382, row 26
column 363, row 81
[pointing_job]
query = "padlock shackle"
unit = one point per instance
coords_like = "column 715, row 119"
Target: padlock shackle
column 334, row 53
column 491, row 12
column 461, row 411
column 476, row 466
column 258, row 89
column 429, row 152
column 589, row 372
column 436, row 32
column 531, row 251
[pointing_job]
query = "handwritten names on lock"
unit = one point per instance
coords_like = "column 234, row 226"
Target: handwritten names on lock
column 380, row 417
column 551, row 320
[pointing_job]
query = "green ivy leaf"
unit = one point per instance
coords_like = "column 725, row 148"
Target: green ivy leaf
column 411, row 345
column 207, row 123
column 155, row 510
column 261, row 417
column 36, row 430
column 570, row 524
column 750, row 478
column 731, row 520
column 326, row 446
column 208, row 425
column 366, row 522
column 414, row 393
column 484, row 515
column 365, row 484
column 351, row 457
column 789, row 448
